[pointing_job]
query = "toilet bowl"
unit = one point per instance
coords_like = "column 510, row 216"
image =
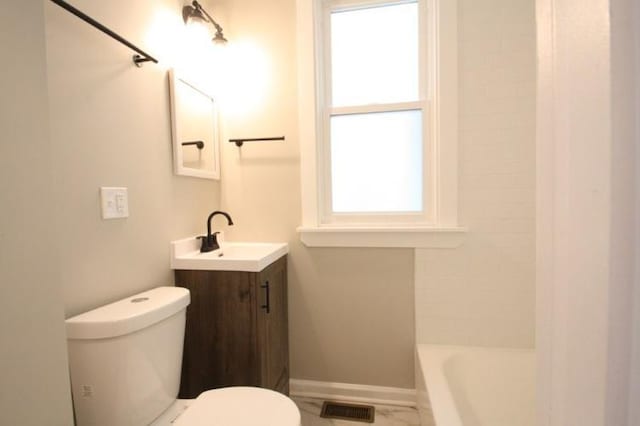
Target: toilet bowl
column 240, row 406
column 125, row 360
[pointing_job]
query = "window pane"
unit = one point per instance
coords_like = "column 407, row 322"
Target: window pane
column 374, row 55
column 376, row 162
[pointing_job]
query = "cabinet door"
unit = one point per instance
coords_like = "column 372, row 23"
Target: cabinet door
column 273, row 333
column 220, row 336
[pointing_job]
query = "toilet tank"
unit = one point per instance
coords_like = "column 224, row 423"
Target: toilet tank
column 125, row 358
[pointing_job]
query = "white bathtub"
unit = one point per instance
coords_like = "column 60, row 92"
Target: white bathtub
column 469, row 386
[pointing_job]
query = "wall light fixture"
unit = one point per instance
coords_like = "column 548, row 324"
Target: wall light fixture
column 196, row 13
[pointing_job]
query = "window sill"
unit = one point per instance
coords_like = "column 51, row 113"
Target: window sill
column 402, row 237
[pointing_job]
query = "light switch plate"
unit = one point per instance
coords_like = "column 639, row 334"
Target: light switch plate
column 115, row 202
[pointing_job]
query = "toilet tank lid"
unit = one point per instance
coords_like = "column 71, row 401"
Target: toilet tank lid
column 128, row 315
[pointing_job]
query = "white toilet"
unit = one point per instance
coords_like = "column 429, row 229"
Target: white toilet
column 125, row 360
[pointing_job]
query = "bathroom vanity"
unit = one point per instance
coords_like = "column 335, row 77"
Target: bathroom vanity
column 237, row 329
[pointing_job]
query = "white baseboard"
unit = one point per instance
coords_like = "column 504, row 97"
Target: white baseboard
column 346, row 392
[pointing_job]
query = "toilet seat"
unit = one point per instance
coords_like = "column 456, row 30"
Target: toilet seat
column 240, row 406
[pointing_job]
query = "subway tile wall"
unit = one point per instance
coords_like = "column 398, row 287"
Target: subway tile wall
column 483, row 293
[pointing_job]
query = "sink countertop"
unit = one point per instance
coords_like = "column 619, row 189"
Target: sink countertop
column 231, row 256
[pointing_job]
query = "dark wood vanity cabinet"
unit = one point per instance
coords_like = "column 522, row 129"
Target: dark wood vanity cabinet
column 237, row 329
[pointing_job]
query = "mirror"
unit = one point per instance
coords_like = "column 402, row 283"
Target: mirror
column 194, row 128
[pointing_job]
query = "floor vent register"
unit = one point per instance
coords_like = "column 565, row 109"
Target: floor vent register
column 353, row 412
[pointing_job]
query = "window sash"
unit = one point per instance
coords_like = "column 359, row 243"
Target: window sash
column 426, row 216
column 327, row 215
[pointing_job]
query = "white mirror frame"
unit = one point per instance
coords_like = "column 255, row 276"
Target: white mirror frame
column 177, row 130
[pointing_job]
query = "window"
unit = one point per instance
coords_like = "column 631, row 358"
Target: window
column 374, row 125
column 378, row 133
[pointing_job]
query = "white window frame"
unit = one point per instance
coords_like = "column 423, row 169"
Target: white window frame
column 438, row 87
column 328, row 217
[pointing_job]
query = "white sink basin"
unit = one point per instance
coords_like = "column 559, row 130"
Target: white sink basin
column 231, row 256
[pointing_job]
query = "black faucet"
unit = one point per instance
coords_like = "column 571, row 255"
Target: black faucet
column 210, row 241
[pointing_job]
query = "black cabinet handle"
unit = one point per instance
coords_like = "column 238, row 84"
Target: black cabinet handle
column 266, row 306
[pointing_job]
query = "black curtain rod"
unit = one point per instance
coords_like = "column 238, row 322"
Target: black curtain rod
column 137, row 59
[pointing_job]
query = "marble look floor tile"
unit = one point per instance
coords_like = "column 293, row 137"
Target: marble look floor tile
column 386, row 415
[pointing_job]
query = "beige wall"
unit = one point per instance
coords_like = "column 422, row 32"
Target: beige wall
column 483, row 293
column 110, row 127
column 351, row 310
column 34, row 384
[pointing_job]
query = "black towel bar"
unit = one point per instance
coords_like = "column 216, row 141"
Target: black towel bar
column 240, row 142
